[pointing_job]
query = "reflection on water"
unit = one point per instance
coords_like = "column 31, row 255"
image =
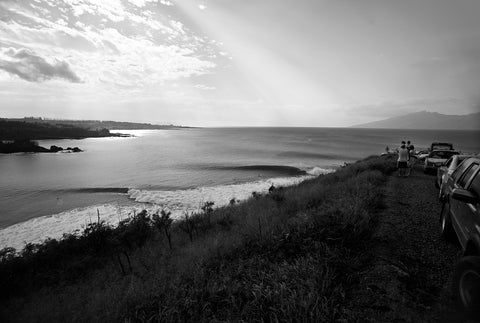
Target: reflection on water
column 162, row 164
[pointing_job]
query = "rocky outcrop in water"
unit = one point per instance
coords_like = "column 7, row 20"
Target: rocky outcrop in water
column 29, row 146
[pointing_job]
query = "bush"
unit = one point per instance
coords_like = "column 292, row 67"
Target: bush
column 289, row 255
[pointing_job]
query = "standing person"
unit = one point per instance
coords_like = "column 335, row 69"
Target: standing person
column 411, row 148
column 411, row 151
column 402, row 161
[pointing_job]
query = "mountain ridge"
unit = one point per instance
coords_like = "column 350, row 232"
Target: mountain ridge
column 427, row 120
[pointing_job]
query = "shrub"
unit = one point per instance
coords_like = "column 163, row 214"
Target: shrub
column 290, row 255
column 164, row 222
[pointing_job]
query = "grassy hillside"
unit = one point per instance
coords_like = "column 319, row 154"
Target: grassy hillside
column 293, row 254
column 20, row 130
column 98, row 124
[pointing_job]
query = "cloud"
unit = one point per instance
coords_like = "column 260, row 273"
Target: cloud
column 33, row 68
column 204, row 87
column 136, row 48
column 143, row 3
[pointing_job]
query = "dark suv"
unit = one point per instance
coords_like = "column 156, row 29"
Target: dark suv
column 460, row 219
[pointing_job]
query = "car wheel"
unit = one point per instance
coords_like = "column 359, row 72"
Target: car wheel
column 446, row 228
column 467, row 285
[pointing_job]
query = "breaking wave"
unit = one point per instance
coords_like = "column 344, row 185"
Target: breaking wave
column 54, row 226
column 123, row 190
column 278, row 169
column 177, row 201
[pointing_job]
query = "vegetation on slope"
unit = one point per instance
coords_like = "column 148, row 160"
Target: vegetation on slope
column 98, row 124
column 18, row 130
column 17, row 136
column 293, row 254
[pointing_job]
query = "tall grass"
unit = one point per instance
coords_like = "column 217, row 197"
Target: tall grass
column 292, row 254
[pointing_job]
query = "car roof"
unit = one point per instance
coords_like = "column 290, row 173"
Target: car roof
column 473, row 159
column 445, row 150
column 464, row 156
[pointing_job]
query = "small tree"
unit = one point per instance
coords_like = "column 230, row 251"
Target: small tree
column 256, row 195
column 276, row 193
column 163, row 221
column 97, row 236
column 7, row 253
column 188, row 225
column 207, row 207
column 131, row 233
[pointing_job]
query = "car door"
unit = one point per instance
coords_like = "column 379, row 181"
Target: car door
column 474, row 215
column 461, row 211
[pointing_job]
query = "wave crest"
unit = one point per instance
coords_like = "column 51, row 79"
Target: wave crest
column 278, row 169
column 177, row 201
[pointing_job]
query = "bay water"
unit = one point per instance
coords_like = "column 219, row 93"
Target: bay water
column 46, row 195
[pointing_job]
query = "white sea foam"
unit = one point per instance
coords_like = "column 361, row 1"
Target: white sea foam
column 54, row 226
column 189, row 200
column 315, row 171
column 178, row 202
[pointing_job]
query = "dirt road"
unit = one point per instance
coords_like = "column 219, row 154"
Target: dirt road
column 409, row 276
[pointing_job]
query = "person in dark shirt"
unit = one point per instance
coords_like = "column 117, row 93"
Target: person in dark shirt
column 410, row 147
column 411, row 152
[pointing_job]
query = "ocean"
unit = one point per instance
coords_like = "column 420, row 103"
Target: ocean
column 46, row 195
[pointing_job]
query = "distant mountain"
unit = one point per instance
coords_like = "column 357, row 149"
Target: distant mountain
column 427, row 120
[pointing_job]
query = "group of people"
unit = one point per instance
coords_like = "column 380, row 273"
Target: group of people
column 404, row 162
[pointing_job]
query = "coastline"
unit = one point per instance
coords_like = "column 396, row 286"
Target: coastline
column 260, row 232
column 55, row 225
column 321, row 250
column 29, row 146
column 21, row 136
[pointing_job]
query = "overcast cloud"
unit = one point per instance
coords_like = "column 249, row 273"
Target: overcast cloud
column 232, row 62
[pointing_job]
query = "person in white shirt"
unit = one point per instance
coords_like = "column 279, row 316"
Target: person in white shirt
column 402, row 162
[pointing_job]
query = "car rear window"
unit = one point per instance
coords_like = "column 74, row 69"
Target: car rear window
column 460, row 159
column 460, row 169
column 443, row 154
column 441, row 145
column 467, row 175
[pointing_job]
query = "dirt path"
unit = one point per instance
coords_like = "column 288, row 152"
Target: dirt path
column 409, row 278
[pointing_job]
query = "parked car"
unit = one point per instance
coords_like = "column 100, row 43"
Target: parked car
column 460, row 219
column 447, row 169
column 437, row 158
column 441, row 146
column 422, row 154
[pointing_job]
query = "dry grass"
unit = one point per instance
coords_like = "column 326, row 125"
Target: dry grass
column 292, row 255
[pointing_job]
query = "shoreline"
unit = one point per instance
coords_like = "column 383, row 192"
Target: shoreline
column 70, row 220
column 21, row 136
column 32, row 146
column 302, row 232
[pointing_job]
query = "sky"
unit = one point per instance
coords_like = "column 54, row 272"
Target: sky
column 313, row 63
